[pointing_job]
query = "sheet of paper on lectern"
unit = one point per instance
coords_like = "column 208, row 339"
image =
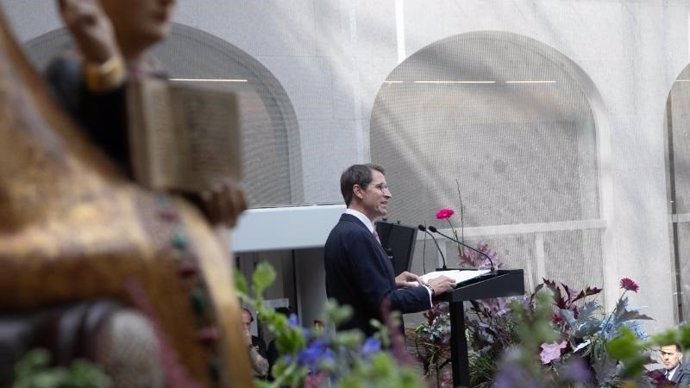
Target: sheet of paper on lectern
column 458, row 276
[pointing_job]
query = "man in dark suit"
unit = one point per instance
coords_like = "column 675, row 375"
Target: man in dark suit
column 674, row 370
column 358, row 270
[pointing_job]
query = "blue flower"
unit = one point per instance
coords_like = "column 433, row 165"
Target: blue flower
column 370, row 346
column 607, row 329
column 314, row 354
column 637, row 329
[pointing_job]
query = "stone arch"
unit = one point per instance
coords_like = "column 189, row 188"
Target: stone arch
column 521, row 129
column 271, row 142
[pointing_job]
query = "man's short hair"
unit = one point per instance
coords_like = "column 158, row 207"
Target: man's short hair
column 677, row 345
column 251, row 316
column 357, row 174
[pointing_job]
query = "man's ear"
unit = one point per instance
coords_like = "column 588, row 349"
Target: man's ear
column 357, row 191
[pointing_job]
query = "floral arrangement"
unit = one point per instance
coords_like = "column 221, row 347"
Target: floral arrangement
column 584, row 332
column 555, row 337
column 574, row 346
column 323, row 357
column 522, row 345
column 579, row 329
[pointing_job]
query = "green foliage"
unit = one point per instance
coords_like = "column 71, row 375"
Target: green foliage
column 580, row 344
column 547, row 335
column 533, row 328
column 34, row 371
column 317, row 357
column 483, row 369
column 381, row 371
column 630, row 351
column 633, row 353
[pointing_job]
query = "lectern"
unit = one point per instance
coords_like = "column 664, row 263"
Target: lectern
column 499, row 284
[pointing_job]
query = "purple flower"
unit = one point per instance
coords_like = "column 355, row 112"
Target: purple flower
column 445, row 214
column 315, row 380
column 629, row 285
column 510, row 375
column 577, row 370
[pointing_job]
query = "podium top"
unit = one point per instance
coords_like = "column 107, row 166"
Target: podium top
column 460, row 276
column 498, row 284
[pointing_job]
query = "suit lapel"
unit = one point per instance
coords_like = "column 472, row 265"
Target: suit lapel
column 382, row 255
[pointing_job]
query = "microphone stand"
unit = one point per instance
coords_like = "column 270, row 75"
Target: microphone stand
column 444, row 268
column 434, row 230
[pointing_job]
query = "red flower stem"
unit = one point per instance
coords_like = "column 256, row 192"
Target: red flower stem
column 461, row 251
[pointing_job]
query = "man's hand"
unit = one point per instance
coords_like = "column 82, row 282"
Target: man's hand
column 441, row 284
column 91, row 29
column 407, row 279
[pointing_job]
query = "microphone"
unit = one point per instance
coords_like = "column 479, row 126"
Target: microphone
column 423, row 229
column 434, row 230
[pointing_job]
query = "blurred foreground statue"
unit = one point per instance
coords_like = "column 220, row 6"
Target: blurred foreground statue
column 129, row 265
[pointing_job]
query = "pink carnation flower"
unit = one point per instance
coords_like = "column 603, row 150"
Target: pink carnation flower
column 444, row 214
column 629, row 285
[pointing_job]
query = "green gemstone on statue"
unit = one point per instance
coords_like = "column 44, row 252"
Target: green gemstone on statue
column 163, row 200
column 198, row 301
column 214, row 369
column 179, row 240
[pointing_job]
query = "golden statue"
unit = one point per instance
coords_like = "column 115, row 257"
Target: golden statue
column 72, row 228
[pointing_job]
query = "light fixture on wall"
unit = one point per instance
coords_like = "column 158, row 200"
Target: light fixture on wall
column 207, row 80
column 454, row 82
column 530, row 82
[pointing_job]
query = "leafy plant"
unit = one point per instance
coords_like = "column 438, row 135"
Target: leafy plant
column 581, row 329
column 432, row 343
column 632, row 353
column 519, row 365
column 34, row 371
column 319, row 357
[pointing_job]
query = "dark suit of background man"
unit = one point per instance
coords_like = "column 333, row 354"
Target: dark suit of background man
column 358, row 270
column 674, row 370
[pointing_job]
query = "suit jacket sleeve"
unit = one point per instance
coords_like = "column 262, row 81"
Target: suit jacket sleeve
column 684, row 378
column 375, row 279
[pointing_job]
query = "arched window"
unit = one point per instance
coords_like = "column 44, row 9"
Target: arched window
column 503, row 122
column 271, row 143
column 678, row 186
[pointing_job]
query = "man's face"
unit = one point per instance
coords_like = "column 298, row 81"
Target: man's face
column 374, row 200
column 670, row 356
column 246, row 320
